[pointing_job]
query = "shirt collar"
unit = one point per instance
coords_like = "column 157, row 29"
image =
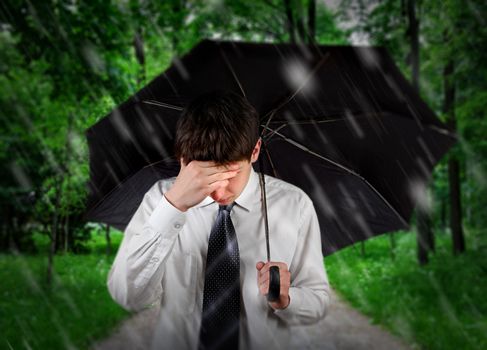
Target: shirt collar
column 247, row 199
column 250, row 195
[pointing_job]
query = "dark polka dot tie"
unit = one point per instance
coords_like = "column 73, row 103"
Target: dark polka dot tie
column 221, row 296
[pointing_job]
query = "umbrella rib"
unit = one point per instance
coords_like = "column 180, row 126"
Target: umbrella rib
column 268, row 137
column 364, row 115
column 162, row 104
column 229, row 66
column 272, row 112
column 93, row 207
column 304, row 148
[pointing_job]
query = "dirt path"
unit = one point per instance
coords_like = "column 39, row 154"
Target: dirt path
column 342, row 329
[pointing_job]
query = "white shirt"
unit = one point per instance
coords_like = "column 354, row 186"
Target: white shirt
column 162, row 259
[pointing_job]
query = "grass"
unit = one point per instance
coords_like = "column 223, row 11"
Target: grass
column 442, row 305
column 439, row 306
column 72, row 314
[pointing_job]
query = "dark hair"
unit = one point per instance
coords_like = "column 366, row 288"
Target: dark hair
column 219, row 126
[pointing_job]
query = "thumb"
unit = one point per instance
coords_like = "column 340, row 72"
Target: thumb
column 181, row 162
column 260, row 265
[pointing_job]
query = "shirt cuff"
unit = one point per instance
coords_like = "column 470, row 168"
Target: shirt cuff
column 166, row 219
column 291, row 311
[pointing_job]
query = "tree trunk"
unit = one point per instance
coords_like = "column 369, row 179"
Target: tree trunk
column 66, row 235
column 290, row 21
column 54, row 231
column 453, row 164
column 311, row 21
column 300, row 23
column 468, row 199
column 455, row 206
column 7, row 243
column 443, row 212
column 107, row 236
column 67, row 174
column 422, row 216
column 139, row 55
column 431, row 236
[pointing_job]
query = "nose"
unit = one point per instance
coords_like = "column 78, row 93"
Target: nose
column 218, row 194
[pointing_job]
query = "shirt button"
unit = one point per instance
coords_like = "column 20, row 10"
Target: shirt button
column 177, row 225
column 154, row 259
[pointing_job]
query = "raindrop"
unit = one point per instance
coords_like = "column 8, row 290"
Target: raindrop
column 478, row 172
column 158, row 145
column 20, row 176
column 147, row 126
column 112, row 172
column 392, row 84
column 93, row 58
column 357, row 130
column 117, row 120
column 189, row 18
column 476, row 12
column 423, row 167
column 324, row 201
column 346, row 195
column 181, row 68
column 292, row 123
column 160, row 121
column 297, row 75
column 418, row 192
column 76, row 144
column 305, row 50
column 368, row 56
column 426, row 149
column 366, row 203
column 359, row 219
column 320, row 132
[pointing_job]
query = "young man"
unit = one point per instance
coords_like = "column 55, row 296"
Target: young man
column 196, row 244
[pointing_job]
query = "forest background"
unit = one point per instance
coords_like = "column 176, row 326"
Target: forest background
column 66, row 64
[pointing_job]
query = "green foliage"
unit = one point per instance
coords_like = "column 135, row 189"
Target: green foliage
column 74, row 312
column 449, row 31
column 440, row 306
column 65, row 65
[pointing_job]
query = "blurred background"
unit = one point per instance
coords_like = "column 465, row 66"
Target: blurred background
column 66, row 64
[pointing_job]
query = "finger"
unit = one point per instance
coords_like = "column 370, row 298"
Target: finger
column 204, row 163
column 213, row 164
column 221, row 176
column 264, row 287
column 259, row 265
column 181, row 162
column 267, row 266
column 217, row 184
column 220, row 166
column 263, row 279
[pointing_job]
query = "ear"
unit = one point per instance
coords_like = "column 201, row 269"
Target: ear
column 256, row 151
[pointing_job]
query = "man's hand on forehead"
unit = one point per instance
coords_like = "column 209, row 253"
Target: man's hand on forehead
column 213, row 166
column 197, row 180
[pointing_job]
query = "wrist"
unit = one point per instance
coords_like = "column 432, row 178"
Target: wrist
column 174, row 202
column 281, row 305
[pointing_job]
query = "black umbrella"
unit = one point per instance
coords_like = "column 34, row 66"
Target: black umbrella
column 340, row 122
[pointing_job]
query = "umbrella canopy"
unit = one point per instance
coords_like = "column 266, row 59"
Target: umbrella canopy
column 340, row 122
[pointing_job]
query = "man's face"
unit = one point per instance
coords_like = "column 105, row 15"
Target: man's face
column 228, row 194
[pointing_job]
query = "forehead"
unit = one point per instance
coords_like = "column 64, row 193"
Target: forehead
column 241, row 162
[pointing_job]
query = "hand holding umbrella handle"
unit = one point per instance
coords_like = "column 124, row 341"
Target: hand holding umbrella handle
column 274, row 284
column 274, row 277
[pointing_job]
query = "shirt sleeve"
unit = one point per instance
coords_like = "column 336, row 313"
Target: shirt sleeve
column 135, row 278
column 309, row 291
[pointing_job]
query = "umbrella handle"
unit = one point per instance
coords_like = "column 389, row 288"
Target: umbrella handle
column 274, row 284
column 274, row 277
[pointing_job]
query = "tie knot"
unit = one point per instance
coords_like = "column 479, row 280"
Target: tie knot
column 226, row 208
